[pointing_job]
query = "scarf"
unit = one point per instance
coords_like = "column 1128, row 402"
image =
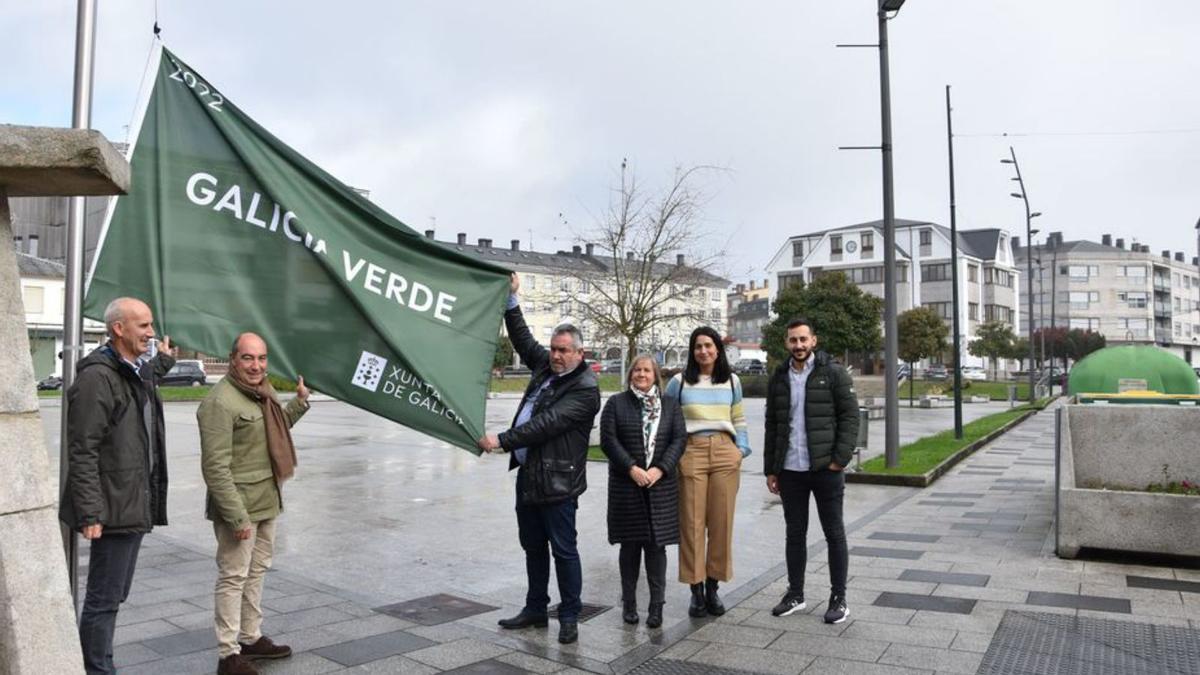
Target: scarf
column 651, row 413
column 279, row 438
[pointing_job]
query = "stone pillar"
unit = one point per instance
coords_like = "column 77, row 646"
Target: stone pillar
column 37, row 622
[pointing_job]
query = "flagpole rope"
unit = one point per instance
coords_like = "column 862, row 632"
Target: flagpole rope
column 142, row 85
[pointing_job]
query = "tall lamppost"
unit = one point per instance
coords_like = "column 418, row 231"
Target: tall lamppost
column 1029, row 216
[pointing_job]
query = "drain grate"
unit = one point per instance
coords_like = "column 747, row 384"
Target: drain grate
column 432, row 610
column 673, row 667
column 586, row 611
column 1035, row 642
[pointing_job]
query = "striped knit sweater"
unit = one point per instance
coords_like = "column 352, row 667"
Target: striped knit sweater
column 709, row 407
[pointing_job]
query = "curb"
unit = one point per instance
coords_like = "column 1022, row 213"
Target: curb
column 929, row 477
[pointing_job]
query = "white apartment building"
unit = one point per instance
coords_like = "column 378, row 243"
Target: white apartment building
column 43, row 291
column 987, row 275
column 553, row 284
column 1128, row 294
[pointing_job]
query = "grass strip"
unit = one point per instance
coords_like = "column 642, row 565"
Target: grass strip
column 924, row 454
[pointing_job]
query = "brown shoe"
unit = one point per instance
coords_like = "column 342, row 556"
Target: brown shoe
column 263, row 648
column 235, row 664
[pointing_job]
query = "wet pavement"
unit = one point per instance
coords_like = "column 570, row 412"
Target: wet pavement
column 380, row 515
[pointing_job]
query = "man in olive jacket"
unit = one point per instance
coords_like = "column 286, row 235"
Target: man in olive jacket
column 116, row 487
column 246, row 452
column 549, row 442
column 811, row 431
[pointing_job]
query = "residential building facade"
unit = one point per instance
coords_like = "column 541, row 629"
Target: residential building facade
column 43, row 292
column 987, row 276
column 555, row 285
column 1127, row 294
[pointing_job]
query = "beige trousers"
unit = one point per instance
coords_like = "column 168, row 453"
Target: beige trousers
column 709, row 475
column 241, row 566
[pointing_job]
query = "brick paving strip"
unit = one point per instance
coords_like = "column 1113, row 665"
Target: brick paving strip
column 956, row 578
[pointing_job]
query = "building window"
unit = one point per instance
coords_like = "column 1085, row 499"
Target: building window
column 865, row 275
column 786, row 280
column 998, row 313
column 1083, row 299
column 1082, row 272
column 715, row 295
column 835, row 244
column 34, row 298
column 995, row 277
column 1136, row 328
column 1178, row 306
column 532, row 280
column 868, row 242
column 797, row 249
column 715, row 315
column 935, row 272
column 1133, row 299
column 926, row 237
column 1088, row 323
column 973, row 311
column 942, row 308
column 972, row 274
column 1178, row 281
column 1132, row 271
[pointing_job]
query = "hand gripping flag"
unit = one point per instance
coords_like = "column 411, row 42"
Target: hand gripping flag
column 226, row 229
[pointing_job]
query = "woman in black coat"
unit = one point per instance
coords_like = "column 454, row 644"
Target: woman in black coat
column 643, row 495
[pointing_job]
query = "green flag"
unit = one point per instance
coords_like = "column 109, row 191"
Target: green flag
column 226, row 229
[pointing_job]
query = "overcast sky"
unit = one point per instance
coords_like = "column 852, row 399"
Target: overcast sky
column 495, row 116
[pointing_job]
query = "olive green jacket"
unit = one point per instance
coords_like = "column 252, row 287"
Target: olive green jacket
column 234, row 457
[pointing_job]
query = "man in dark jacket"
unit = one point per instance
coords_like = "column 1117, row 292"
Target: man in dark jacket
column 811, row 430
column 549, row 441
column 116, row 488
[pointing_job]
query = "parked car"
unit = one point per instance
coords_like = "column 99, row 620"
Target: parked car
column 938, row 373
column 610, row 366
column 749, row 367
column 902, row 371
column 974, row 373
column 595, row 366
column 50, row 383
column 185, row 374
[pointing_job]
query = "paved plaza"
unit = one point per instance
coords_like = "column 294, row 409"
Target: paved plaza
column 397, row 554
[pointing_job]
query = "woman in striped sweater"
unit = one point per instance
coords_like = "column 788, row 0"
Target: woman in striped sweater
column 710, row 470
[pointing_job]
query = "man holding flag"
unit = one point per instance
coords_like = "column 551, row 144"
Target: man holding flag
column 246, row 453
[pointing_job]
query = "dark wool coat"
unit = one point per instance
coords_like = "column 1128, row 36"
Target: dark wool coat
column 638, row 514
column 830, row 416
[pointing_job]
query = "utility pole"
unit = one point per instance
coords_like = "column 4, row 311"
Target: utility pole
column 958, row 421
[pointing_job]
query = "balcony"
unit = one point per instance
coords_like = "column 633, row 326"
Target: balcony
column 1162, row 337
column 1162, row 284
column 1162, row 310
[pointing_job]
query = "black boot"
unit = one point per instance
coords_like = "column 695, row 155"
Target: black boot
column 654, row 617
column 629, row 613
column 698, row 607
column 712, row 601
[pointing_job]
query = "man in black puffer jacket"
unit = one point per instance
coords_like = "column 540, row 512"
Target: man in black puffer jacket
column 811, row 430
column 116, row 487
column 549, row 442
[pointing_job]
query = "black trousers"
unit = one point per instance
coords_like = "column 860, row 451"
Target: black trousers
column 827, row 488
column 111, row 564
column 656, row 570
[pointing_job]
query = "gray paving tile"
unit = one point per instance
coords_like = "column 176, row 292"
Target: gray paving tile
column 744, row 636
column 1162, row 584
column 957, row 495
column 994, row 515
column 942, row 502
column 187, row 664
column 393, row 665
column 1092, row 602
column 528, row 663
column 305, row 618
column 967, row 641
column 941, row 660
column 1016, row 488
column 132, row 654
column 905, row 536
column 975, row 465
column 877, row 552
column 933, row 603
column 907, row 635
column 456, row 654
column 1022, row 481
column 752, row 660
column 161, row 610
column 298, row 664
column 987, row 527
column 856, row 649
column 831, row 665
column 431, row 610
column 146, row 630
column 956, row 578
column 373, row 648
column 184, row 643
column 293, row 603
column 488, row 667
column 968, row 472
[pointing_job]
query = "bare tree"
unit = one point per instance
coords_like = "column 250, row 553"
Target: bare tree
column 650, row 275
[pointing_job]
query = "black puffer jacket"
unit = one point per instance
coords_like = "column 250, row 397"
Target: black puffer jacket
column 556, row 435
column 109, row 477
column 638, row 514
column 830, row 416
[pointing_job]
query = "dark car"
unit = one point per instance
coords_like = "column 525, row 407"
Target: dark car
column 938, row 373
column 51, row 383
column 184, row 374
column 749, row 367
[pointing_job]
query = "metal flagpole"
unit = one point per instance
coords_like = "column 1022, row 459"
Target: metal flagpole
column 81, row 118
column 958, row 421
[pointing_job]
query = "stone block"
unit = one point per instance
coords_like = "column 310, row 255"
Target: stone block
column 17, row 393
column 47, row 161
column 37, row 621
column 26, row 466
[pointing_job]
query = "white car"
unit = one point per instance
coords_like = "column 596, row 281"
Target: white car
column 974, row 373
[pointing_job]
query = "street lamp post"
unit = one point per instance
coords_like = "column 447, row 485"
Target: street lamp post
column 1029, row 216
column 891, row 345
column 954, row 307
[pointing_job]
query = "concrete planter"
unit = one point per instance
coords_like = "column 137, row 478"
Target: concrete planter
column 1126, row 445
